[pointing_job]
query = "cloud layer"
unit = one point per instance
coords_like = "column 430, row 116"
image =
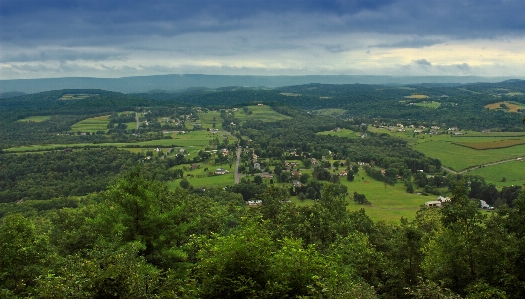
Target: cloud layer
column 56, row 38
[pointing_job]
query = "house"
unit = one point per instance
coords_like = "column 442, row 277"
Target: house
column 343, row 173
column 337, row 129
column 221, row 171
column 257, row 166
column 260, row 104
column 254, row 202
column 266, row 175
column 433, row 203
column 315, row 162
column 297, row 184
column 459, row 133
column 363, row 135
column 225, row 152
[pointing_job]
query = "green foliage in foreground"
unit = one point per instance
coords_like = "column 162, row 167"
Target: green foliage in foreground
column 140, row 240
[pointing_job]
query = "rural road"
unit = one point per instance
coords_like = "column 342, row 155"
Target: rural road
column 236, row 174
column 137, row 120
column 476, row 167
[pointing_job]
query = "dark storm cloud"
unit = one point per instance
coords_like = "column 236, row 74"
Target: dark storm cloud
column 422, row 62
column 28, row 21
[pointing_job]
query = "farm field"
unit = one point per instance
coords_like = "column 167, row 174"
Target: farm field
column 342, row 133
column 492, row 144
column 390, row 203
column 417, row 96
column 193, row 139
column 207, row 121
column 512, row 107
column 262, row 113
column 93, row 124
column 431, row 104
column 513, row 172
column 199, row 177
column 36, row 119
column 330, row 112
column 459, row 157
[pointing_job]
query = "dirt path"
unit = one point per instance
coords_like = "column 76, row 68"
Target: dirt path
column 476, row 167
column 137, row 120
column 236, row 174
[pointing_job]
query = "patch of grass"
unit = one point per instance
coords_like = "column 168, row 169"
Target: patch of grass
column 262, row 113
column 209, row 118
column 93, row 124
column 342, row 133
column 492, row 144
column 417, row 96
column 460, row 157
column 513, row 172
column 330, row 112
column 37, row 119
column 432, row 104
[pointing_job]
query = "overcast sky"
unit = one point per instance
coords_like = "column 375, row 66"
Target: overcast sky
column 110, row 38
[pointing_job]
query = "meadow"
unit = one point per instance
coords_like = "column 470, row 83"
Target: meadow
column 262, row 113
column 36, row 119
column 513, row 172
column 207, row 119
column 492, row 144
column 94, row 124
column 342, row 133
column 431, row 104
column 512, row 107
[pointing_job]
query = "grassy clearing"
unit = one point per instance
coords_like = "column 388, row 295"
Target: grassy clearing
column 199, row 178
column 492, row 144
column 512, row 107
column 432, row 104
column 513, row 172
column 330, row 112
column 342, row 133
column 417, row 96
column 94, row 124
column 37, row 119
column 262, row 113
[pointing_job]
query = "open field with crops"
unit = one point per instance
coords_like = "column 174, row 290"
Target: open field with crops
column 207, row 119
column 432, row 104
column 94, row 124
column 512, row 107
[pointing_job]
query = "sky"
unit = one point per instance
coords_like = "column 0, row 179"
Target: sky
column 119, row 38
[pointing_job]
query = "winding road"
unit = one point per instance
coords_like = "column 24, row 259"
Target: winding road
column 236, row 174
column 137, row 120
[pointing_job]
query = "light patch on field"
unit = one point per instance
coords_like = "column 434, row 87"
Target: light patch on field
column 94, row 124
column 417, row 96
column 79, row 96
column 512, row 107
column 290, row 94
column 513, row 94
column 36, row 119
column 330, row 111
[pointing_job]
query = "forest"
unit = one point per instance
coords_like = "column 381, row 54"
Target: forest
column 129, row 203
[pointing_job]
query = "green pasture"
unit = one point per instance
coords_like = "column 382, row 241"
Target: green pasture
column 388, row 202
column 459, row 157
column 206, row 119
column 513, row 172
column 94, row 124
column 37, row 119
column 262, row 113
column 205, row 181
column 342, row 133
column 330, row 112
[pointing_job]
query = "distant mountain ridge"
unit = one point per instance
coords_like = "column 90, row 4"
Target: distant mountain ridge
column 143, row 84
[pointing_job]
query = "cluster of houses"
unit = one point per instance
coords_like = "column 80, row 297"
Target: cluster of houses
column 438, row 202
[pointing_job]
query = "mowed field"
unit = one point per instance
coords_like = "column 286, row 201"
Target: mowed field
column 262, row 113
column 513, row 172
column 460, row 157
column 94, row 124
column 36, row 119
column 342, row 133
column 207, row 119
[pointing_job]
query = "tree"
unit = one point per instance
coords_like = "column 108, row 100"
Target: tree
column 360, row 198
column 184, row 184
column 409, row 186
column 350, row 175
column 257, row 180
